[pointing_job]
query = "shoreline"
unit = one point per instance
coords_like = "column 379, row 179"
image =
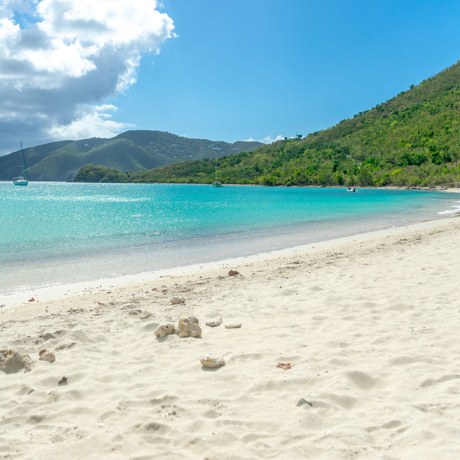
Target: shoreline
column 59, row 292
column 56, row 291
column 440, row 188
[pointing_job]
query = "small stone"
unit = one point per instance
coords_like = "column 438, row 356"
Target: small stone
column 12, row 362
column 214, row 322
column 233, row 273
column 47, row 356
column 63, row 381
column 302, row 402
column 233, row 326
column 189, row 327
column 212, row 361
column 164, row 329
column 177, row 300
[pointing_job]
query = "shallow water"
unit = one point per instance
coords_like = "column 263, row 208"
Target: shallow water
column 59, row 233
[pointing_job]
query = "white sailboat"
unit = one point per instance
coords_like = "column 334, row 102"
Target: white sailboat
column 216, row 182
column 23, row 178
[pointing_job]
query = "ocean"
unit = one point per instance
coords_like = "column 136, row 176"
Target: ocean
column 55, row 233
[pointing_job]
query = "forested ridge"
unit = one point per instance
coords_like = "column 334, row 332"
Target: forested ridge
column 129, row 151
column 412, row 140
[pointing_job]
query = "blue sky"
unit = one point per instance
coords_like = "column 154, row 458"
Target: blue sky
column 257, row 68
column 234, row 70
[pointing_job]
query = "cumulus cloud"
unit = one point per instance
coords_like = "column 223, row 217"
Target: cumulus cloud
column 57, row 69
column 266, row 140
column 96, row 122
column 271, row 139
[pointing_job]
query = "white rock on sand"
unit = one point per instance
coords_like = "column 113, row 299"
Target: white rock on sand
column 12, row 362
column 164, row 329
column 189, row 327
column 214, row 322
column 177, row 300
column 46, row 355
column 212, row 361
column 367, row 324
column 233, row 325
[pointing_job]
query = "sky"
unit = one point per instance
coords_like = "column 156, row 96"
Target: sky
column 218, row 69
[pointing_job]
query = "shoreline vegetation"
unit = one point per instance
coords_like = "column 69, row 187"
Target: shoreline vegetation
column 327, row 358
column 411, row 140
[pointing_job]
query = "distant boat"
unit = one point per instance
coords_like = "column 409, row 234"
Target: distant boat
column 351, row 189
column 23, row 179
column 216, row 182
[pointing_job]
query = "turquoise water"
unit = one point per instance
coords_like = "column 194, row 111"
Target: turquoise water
column 53, row 233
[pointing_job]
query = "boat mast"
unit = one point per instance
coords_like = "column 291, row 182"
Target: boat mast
column 24, row 168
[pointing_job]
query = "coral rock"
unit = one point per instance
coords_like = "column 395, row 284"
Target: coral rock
column 233, row 273
column 212, row 361
column 177, row 300
column 12, row 362
column 193, row 319
column 214, row 322
column 189, row 327
column 164, row 329
column 47, row 356
column 232, row 325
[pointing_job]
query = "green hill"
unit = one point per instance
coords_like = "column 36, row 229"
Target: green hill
column 411, row 140
column 130, row 151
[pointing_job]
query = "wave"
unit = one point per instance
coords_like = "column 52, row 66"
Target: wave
column 455, row 210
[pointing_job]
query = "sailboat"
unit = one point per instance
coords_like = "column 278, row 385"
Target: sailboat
column 216, row 182
column 23, row 178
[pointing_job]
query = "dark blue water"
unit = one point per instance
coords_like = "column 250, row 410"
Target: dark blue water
column 52, row 233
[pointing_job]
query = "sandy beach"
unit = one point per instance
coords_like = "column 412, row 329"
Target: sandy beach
column 364, row 327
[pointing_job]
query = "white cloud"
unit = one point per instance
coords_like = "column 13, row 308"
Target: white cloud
column 94, row 122
column 266, row 140
column 57, row 71
column 271, row 139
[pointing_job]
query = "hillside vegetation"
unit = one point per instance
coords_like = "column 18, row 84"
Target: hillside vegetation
column 130, row 151
column 411, row 140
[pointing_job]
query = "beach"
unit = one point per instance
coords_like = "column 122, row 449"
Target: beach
column 347, row 349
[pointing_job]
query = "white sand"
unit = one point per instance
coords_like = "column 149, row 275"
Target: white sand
column 369, row 325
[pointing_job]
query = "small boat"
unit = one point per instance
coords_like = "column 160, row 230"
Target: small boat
column 23, row 178
column 216, row 182
column 351, row 189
